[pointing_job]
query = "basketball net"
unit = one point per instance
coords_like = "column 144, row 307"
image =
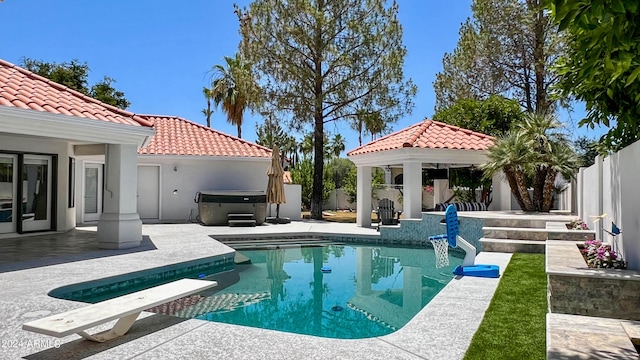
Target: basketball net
column 441, row 248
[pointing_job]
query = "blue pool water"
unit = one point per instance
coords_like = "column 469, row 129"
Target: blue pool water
column 335, row 291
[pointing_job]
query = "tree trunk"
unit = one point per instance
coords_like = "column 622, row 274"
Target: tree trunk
column 548, row 190
column 539, row 58
column 513, row 185
column 318, row 129
column 208, row 112
column 239, row 130
column 538, row 185
column 524, row 192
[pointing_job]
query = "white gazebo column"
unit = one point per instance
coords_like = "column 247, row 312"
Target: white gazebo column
column 363, row 205
column 119, row 226
column 501, row 193
column 412, row 190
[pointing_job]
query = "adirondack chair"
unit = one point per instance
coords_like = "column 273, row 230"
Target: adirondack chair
column 387, row 215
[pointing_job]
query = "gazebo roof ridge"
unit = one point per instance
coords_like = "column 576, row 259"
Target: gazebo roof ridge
column 428, row 134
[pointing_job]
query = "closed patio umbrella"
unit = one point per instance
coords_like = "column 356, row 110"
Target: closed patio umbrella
column 275, row 186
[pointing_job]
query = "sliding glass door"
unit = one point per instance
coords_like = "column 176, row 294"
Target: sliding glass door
column 8, row 192
column 92, row 192
column 36, row 192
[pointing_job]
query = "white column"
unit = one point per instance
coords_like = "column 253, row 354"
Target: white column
column 501, row 193
column 363, row 206
column 119, row 226
column 412, row 190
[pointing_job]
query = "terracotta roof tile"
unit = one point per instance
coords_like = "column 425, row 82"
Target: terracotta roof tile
column 178, row 136
column 24, row 89
column 428, row 134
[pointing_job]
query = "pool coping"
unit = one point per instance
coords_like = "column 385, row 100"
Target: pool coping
column 443, row 329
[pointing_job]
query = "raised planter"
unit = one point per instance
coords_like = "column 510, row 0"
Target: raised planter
column 574, row 288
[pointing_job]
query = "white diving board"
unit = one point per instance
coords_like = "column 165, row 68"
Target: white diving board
column 126, row 308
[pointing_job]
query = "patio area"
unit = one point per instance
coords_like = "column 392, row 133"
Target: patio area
column 442, row 330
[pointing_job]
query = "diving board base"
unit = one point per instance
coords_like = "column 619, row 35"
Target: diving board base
column 489, row 271
column 120, row 328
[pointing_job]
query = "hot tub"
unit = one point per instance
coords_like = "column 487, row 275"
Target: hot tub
column 215, row 206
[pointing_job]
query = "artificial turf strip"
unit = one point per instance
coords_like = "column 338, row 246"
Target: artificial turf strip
column 514, row 325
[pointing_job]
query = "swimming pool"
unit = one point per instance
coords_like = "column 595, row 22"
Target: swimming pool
column 334, row 291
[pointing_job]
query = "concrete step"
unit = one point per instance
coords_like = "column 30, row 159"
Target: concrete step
column 560, row 232
column 519, row 223
column 512, row 246
column 239, row 216
column 539, row 234
column 242, row 222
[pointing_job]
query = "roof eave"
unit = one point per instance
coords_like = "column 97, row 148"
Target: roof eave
column 48, row 125
column 403, row 155
column 205, row 157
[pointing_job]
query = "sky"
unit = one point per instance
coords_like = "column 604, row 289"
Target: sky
column 161, row 52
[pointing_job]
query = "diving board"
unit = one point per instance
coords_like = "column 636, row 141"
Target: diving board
column 125, row 308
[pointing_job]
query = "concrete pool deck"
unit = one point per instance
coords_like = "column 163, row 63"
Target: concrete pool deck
column 32, row 266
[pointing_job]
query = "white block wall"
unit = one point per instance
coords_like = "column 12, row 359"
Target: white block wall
column 611, row 186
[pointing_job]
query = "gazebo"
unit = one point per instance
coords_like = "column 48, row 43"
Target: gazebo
column 427, row 144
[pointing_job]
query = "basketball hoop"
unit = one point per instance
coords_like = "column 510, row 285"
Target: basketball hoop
column 441, row 248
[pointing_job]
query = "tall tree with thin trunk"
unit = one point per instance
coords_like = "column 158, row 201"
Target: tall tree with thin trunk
column 324, row 60
column 507, row 48
column 234, row 89
column 207, row 111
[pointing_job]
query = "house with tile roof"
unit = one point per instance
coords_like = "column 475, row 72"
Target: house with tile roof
column 184, row 158
column 44, row 128
column 425, row 145
column 68, row 159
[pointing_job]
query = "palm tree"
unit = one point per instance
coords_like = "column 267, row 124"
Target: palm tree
column 306, row 145
column 512, row 156
column 370, row 122
column 374, row 124
column 337, row 145
column 535, row 149
column 234, row 89
column 207, row 112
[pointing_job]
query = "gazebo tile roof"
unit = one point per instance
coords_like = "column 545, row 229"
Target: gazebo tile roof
column 428, row 134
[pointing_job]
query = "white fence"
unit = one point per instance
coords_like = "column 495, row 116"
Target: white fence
column 611, row 186
column 338, row 200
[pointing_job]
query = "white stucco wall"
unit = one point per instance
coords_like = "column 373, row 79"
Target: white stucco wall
column 628, row 169
column 292, row 209
column 591, row 194
column 65, row 216
column 194, row 174
column 610, row 186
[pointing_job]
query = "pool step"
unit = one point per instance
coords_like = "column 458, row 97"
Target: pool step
column 271, row 242
column 513, row 245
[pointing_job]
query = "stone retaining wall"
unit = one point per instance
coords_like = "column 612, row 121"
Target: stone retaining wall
column 574, row 288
